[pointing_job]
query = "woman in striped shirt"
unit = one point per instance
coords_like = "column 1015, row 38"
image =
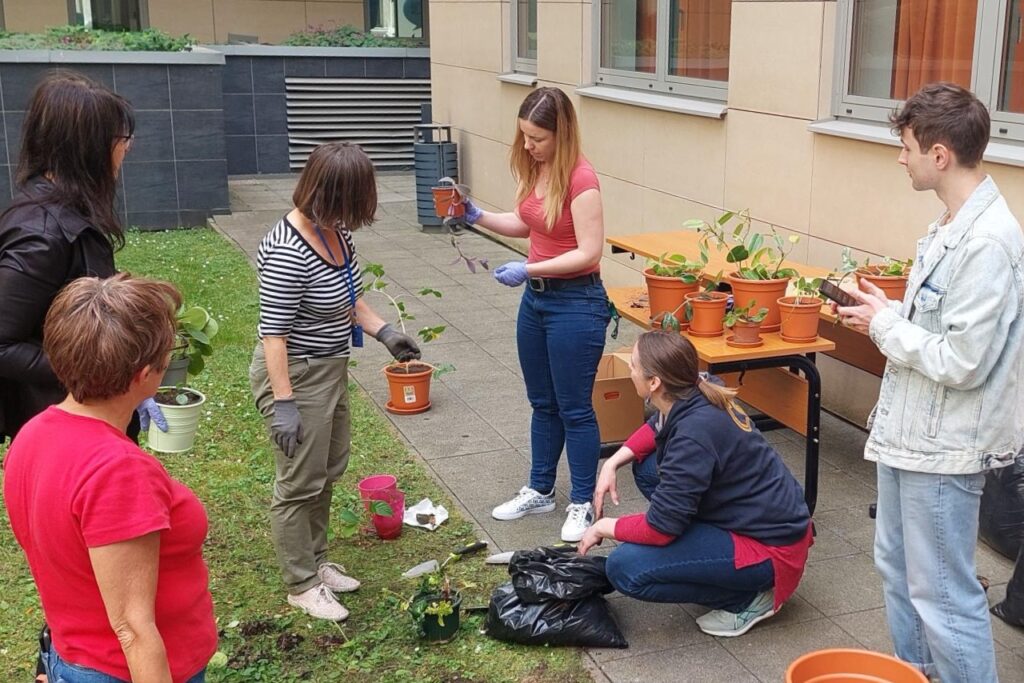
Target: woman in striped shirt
column 311, row 314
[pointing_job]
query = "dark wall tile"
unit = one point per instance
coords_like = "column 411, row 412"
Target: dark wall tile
column 103, row 73
column 417, row 68
column 241, row 150
column 150, row 186
column 12, row 123
column 346, row 67
column 272, row 153
column 153, row 220
column 199, row 135
column 192, row 218
column 203, row 185
column 154, row 139
column 18, row 81
column 144, row 85
column 237, row 74
column 196, row 87
column 268, row 74
column 383, row 67
column 238, row 115
column 304, row 67
column 271, row 114
column 5, row 186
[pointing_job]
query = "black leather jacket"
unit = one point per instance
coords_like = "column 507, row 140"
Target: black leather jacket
column 43, row 246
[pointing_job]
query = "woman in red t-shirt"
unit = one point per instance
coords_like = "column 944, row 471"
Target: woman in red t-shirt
column 114, row 544
column 564, row 311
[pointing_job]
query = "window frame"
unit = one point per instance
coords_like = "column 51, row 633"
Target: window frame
column 143, row 13
column 522, row 65
column 660, row 81
column 990, row 32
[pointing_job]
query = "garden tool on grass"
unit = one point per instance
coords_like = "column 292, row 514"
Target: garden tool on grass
column 431, row 566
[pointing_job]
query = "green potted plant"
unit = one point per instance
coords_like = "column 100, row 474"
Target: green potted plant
column 669, row 279
column 385, row 512
column 196, row 328
column 890, row 276
column 759, row 273
column 435, row 607
column 705, row 310
column 408, row 382
column 799, row 314
column 745, row 323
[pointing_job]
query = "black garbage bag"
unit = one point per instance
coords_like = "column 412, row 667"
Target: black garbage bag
column 1001, row 519
column 1011, row 610
column 584, row 623
column 557, row 574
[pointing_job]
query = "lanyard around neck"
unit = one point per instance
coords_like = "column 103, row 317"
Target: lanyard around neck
column 348, row 266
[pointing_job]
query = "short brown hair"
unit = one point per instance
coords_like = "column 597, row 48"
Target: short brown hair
column 946, row 114
column 337, row 187
column 671, row 358
column 99, row 333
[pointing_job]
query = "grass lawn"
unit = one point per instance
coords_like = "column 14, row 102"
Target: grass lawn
column 231, row 470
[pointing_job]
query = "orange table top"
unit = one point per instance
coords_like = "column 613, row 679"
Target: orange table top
column 713, row 349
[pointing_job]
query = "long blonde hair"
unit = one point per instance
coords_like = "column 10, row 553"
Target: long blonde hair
column 552, row 110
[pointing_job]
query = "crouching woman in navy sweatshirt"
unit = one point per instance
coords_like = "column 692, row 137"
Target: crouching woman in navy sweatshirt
column 727, row 526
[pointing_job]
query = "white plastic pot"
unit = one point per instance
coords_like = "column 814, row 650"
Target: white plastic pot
column 182, row 422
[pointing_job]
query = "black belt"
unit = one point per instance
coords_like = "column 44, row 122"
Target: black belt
column 543, row 284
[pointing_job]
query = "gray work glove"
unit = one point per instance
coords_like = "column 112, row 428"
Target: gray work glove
column 286, row 427
column 403, row 348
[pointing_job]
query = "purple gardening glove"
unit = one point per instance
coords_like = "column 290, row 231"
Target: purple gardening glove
column 150, row 410
column 473, row 212
column 512, row 274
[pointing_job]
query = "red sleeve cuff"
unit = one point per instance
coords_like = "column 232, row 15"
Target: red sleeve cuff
column 641, row 442
column 635, row 529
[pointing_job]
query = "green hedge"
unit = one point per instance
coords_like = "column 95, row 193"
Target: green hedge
column 346, row 36
column 82, row 38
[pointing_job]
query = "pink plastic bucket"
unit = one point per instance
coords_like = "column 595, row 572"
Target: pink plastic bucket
column 373, row 486
column 390, row 527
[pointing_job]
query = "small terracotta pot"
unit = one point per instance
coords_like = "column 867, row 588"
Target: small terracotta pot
column 410, row 388
column 448, row 202
column 666, row 294
column 764, row 293
column 746, row 333
column 706, row 320
column 894, row 286
column 799, row 318
column 846, row 666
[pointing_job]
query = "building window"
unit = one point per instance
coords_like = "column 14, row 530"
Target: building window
column 670, row 46
column 397, row 18
column 890, row 48
column 114, row 15
column 524, row 36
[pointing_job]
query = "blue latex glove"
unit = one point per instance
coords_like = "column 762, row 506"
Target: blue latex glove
column 150, row 410
column 512, row 274
column 473, row 212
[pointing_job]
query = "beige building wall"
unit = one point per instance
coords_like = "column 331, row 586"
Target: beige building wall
column 658, row 169
column 207, row 20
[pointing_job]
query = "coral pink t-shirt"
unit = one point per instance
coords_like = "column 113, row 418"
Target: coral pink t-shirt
column 72, row 483
column 545, row 244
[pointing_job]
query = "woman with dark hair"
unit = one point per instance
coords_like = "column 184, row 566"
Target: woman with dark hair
column 311, row 315
column 727, row 526
column 564, row 312
column 61, row 225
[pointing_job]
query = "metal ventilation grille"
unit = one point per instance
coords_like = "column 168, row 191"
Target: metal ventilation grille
column 376, row 114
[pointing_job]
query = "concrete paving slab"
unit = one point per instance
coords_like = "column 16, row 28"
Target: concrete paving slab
column 842, row 585
column 770, row 651
column 851, row 524
column 700, row 662
column 652, row 627
column 869, row 628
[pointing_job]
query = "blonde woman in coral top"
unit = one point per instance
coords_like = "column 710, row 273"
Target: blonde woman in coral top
column 560, row 332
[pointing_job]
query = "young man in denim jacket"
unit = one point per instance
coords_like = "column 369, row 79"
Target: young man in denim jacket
column 950, row 405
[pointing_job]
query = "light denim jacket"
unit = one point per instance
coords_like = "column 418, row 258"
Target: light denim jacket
column 951, row 400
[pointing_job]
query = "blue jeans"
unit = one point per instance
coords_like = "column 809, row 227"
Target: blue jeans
column 926, row 531
column 59, row 671
column 560, row 337
column 699, row 567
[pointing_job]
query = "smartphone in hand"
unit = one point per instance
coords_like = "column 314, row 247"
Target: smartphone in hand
column 833, row 292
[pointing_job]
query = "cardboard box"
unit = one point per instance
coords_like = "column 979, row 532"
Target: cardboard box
column 619, row 410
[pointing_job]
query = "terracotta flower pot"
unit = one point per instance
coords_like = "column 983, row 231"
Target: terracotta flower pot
column 799, row 318
column 448, row 202
column 706, row 313
column 764, row 294
column 410, row 388
column 845, row 666
column 745, row 335
column 666, row 294
column 894, row 286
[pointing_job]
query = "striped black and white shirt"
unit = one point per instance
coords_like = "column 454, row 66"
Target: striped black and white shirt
column 303, row 296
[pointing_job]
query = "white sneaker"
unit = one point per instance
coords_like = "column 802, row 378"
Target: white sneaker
column 526, row 502
column 333, row 576
column 319, row 602
column 724, row 624
column 580, row 517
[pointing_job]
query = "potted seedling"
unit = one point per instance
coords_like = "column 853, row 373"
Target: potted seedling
column 669, row 279
column 759, row 273
column 434, row 606
column 194, row 335
column 448, row 197
column 386, row 511
column 799, row 314
column 408, row 382
column 705, row 310
column 745, row 323
column 890, row 276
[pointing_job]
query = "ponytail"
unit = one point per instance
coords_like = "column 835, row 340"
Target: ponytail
column 672, row 358
column 717, row 395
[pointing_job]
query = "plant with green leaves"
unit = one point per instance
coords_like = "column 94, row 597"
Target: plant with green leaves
column 748, row 314
column 809, row 288
column 755, row 260
column 889, row 267
column 332, row 35
column 195, row 333
column 84, row 38
column 678, row 266
column 350, row 516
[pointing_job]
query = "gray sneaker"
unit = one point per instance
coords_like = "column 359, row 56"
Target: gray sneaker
column 334, row 577
column 526, row 502
column 728, row 624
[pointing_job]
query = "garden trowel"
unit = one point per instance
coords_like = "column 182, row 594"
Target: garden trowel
column 431, row 566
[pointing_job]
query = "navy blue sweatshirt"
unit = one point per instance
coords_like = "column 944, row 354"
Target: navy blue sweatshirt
column 721, row 471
